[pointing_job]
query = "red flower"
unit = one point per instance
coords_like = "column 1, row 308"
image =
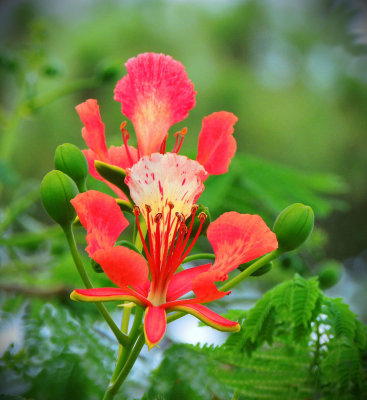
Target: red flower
column 164, row 188
column 156, row 94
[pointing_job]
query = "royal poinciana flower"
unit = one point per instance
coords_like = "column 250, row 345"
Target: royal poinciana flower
column 156, row 94
column 165, row 189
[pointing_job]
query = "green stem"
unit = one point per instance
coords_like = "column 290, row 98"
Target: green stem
column 121, row 337
column 114, row 386
column 175, row 316
column 201, row 256
column 124, row 352
column 248, row 271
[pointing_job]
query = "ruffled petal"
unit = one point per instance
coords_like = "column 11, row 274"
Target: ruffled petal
column 123, row 266
column 155, row 94
column 108, row 294
column 101, row 217
column 209, row 317
column 236, row 239
column 216, row 144
column 181, row 283
column 155, row 325
column 93, row 131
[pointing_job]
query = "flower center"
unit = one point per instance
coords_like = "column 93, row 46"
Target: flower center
column 167, row 245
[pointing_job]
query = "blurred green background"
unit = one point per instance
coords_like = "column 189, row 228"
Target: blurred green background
column 295, row 74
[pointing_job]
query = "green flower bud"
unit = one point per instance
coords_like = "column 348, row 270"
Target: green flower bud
column 201, row 209
column 57, row 189
column 70, row 160
column 330, row 274
column 293, row 226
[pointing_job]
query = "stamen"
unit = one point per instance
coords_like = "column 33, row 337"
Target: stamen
column 166, row 234
column 158, row 217
column 154, row 264
column 137, row 213
column 180, row 135
column 202, row 218
column 125, row 138
column 162, row 149
column 194, row 208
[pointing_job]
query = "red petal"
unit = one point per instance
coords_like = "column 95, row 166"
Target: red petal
column 101, row 217
column 209, row 317
column 107, row 294
column 155, row 94
column 123, row 266
column 155, row 325
column 117, row 156
column 93, row 131
column 216, row 143
column 236, row 239
column 181, row 283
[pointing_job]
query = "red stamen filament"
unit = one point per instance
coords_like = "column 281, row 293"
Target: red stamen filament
column 162, row 150
column 125, row 138
column 137, row 213
column 163, row 264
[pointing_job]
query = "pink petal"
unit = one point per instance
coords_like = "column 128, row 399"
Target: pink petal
column 155, row 94
column 181, row 283
column 155, row 325
column 93, row 131
column 209, row 317
column 123, row 266
column 101, row 217
column 107, row 294
column 236, row 239
column 216, row 144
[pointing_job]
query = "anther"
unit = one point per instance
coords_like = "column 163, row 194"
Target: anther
column 202, row 216
column 180, row 217
column 194, row 208
column 136, row 210
column 148, row 208
column 171, row 205
column 158, row 217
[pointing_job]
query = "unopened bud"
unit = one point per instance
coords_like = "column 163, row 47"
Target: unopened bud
column 330, row 274
column 57, row 189
column 293, row 226
column 70, row 160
